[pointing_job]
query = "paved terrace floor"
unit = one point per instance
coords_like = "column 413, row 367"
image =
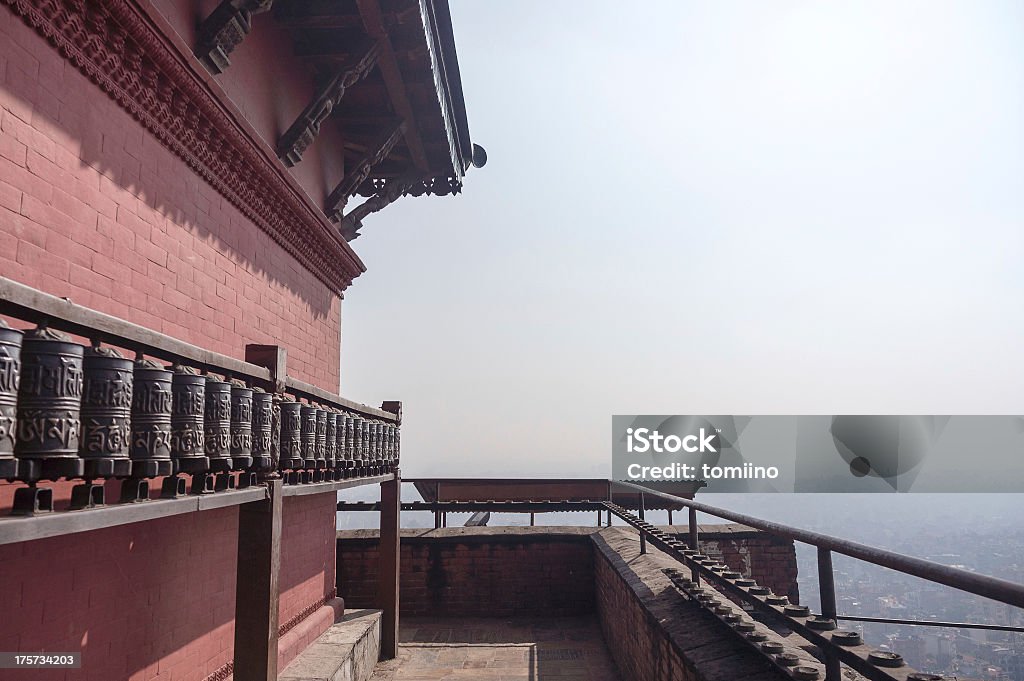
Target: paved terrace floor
column 519, row 649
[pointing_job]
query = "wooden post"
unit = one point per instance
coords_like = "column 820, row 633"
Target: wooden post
column 257, row 587
column 387, row 575
column 273, row 357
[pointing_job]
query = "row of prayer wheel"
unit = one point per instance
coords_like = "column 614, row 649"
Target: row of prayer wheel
column 70, row 411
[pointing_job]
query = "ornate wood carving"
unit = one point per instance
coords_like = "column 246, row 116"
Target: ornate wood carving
column 376, row 153
column 388, row 193
column 224, row 29
column 383, row 193
column 117, row 47
column 307, row 126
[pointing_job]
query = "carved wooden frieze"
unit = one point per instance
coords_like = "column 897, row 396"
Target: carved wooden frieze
column 117, row 46
column 306, row 127
column 224, row 29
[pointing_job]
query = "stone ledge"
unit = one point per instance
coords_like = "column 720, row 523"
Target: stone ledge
column 705, row 648
column 348, row 651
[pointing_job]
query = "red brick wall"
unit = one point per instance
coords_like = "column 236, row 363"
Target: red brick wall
column 307, row 552
column 151, row 600
column 156, row 600
column 475, row 572
column 92, row 207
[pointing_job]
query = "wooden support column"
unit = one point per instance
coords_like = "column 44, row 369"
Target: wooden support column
column 257, row 587
column 387, row 574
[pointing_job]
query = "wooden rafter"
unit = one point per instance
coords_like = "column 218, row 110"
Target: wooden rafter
column 373, row 22
column 360, row 172
column 306, row 127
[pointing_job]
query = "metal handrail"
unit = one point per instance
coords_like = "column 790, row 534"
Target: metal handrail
column 997, row 589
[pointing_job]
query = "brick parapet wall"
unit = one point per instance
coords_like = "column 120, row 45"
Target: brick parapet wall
column 484, row 571
column 475, row 572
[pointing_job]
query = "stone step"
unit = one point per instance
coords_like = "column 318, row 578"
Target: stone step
column 348, row 651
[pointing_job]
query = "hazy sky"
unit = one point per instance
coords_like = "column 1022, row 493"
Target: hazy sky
column 703, row 207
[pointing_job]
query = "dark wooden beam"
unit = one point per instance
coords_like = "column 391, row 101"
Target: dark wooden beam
column 375, row 25
column 224, row 29
column 319, row 14
column 257, row 587
column 377, row 152
column 388, row 570
column 307, row 126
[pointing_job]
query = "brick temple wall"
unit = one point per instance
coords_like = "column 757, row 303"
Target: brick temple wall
column 153, row 600
column 94, row 208
column 156, row 600
column 476, row 572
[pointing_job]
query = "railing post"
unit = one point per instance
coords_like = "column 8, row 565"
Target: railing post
column 257, row 587
column 387, row 584
column 827, row 592
column 694, row 543
column 643, row 537
column 273, row 357
column 437, row 511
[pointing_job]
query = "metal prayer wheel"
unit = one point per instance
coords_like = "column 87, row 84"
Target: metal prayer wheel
column 309, row 435
column 378, row 438
column 106, row 413
column 320, row 441
column 357, row 438
column 49, row 406
column 241, row 425
column 398, row 445
column 389, row 442
column 10, row 369
column 262, row 429
column 291, row 435
column 151, row 419
column 367, row 444
column 188, row 408
column 331, row 444
column 370, row 428
column 348, row 438
column 217, row 424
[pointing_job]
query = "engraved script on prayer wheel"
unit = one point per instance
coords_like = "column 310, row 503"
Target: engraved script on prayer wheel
column 262, row 428
column 331, row 437
column 217, row 423
column 187, row 426
column 320, row 441
column 10, row 369
column 241, row 425
column 49, row 402
column 106, row 412
column 291, row 435
column 309, row 435
column 151, row 412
